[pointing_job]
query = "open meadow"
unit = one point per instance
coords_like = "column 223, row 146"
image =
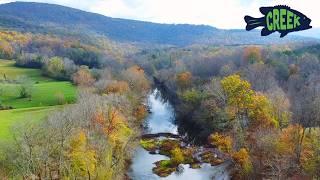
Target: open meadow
column 44, row 95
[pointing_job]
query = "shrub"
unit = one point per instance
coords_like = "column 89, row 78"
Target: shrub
column 25, row 89
column 177, row 156
column 223, row 143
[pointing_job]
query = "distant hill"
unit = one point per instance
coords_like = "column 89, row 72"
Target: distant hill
column 314, row 33
column 41, row 17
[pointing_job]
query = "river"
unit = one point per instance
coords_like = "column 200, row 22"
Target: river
column 162, row 119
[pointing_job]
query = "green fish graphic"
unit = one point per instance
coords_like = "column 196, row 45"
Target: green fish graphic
column 280, row 18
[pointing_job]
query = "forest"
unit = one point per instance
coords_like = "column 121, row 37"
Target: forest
column 259, row 104
column 255, row 105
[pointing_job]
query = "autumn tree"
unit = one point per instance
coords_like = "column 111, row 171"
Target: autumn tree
column 306, row 110
column 293, row 137
column 261, row 112
column 239, row 98
column 310, row 157
column 54, row 67
column 246, row 108
column 280, row 106
column 244, row 103
column 82, row 157
column 243, row 162
column 136, row 78
column 184, row 79
column 222, row 142
column 83, row 77
column 261, row 77
column 140, row 112
column 239, row 93
column 191, row 96
column 6, row 50
column 120, row 87
column 252, row 54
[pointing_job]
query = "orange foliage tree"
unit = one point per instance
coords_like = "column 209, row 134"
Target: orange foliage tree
column 112, row 123
column 136, row 78
column 120, row 87
column 83, row 77
column 184, row 79
column 252, row 54
column 243, row 162
column 140, row 112
column 222, row 142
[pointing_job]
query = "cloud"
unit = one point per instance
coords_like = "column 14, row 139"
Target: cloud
column 219, row 13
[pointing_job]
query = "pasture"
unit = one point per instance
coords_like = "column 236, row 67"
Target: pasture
column 46, row 95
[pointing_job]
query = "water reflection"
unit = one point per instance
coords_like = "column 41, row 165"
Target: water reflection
column 162, row 117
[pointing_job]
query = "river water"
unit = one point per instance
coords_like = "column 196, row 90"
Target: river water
column 162, row 120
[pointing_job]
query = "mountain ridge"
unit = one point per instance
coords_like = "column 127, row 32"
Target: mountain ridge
column 32, row 16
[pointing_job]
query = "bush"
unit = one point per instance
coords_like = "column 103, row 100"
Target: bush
column 223, row 143
column 83, row 77
column 25, row 89
column 177, row 156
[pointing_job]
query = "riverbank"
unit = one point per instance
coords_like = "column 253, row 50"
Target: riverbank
column 160, row 134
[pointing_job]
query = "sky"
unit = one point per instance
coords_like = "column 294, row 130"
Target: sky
column 225, row 14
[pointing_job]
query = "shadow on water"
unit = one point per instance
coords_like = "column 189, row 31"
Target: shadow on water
column 191, row 131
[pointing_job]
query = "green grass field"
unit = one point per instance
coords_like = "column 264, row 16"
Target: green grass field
column 7, row 68
column 11, row 118
column 46, row 95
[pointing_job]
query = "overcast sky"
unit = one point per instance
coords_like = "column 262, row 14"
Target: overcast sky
column 219, row 13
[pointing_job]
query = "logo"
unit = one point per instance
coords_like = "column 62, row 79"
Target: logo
column 282, row 19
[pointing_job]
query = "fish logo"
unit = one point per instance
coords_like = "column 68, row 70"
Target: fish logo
column 280, row 18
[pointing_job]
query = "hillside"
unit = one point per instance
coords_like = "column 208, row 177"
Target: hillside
column 44, row 18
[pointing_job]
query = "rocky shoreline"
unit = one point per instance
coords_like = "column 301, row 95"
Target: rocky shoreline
column 180, row 152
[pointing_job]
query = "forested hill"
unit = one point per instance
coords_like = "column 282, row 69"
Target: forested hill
column 41, row 17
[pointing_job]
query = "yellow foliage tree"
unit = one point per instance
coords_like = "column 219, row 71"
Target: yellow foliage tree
column 310, row 156
column 243, row 162
column 243, row 101
column 260, row 112
column 113, row 124
column 238, row 91
column 82, row 157
column 223, row 143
